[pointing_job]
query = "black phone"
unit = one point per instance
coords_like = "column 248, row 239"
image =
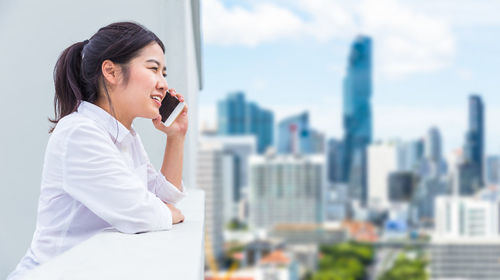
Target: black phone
column 170, row 108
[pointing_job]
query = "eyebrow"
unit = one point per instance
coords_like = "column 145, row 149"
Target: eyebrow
column 156, row 61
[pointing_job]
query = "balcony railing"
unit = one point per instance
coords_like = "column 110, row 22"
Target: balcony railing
column 174, row 254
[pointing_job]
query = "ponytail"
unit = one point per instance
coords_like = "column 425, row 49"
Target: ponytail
column 68, row 82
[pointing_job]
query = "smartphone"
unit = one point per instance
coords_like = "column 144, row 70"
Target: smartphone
column 170, row 109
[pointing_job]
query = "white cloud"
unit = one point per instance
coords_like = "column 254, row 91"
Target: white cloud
column 328, row 19
column 405, row 41
column 238, row 26
column 461, row 12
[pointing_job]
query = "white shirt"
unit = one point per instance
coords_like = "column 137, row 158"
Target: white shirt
column 96, row 176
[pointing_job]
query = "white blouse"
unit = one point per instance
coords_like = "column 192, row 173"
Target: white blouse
column 96, row 176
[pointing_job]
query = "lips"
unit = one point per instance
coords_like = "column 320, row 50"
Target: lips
column 156, row 99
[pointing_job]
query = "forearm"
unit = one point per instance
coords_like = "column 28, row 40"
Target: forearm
column 172, row 161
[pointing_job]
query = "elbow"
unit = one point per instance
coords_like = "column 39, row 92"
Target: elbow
column 142, row 226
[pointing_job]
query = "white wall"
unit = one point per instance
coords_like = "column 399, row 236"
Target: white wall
column 33, row 34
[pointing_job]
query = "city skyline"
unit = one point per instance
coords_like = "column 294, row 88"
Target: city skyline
column 279, row 71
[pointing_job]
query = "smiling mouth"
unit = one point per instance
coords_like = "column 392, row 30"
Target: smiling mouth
column 156, row 97
column 157, row 100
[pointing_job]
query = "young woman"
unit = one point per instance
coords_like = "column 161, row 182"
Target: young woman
column 96, row 173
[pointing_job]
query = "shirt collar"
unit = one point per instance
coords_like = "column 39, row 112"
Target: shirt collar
column 116, row 130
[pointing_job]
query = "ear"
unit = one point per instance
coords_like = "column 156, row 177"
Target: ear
column 110, row 71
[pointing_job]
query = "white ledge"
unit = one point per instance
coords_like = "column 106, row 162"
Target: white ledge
column 174, row 254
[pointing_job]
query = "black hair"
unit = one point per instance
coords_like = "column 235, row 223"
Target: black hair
column 78, row 71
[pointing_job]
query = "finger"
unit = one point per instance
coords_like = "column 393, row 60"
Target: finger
column 179, row 96
column 157, row 121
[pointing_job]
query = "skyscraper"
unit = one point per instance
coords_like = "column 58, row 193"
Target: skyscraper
column 296, row 136
column 433, row 145
column 236, row 151
column 357, row 118
column 433, row 164
column 474, row 142
column 236, row 116
column 335, row 154
column 231, row 114
column 493, row 170
column 210, row 178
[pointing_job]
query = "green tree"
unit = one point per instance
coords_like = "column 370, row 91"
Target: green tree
column 405, row 268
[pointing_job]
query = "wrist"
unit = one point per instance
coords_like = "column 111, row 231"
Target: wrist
column 175, row 138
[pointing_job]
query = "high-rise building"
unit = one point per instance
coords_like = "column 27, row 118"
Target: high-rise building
column 260, row 124
column 337, row 203
column 422, row 202
column 493, row 170
column 286, row 189
column 401, row 186
column 236, row 152
column 474, row 142
column 468, row 180
column 433, row 150
column 335, row 154
column 357, row 116
column 383, row 159
column 296, row 136
column 412, row 155
column 210, row 178
column 236, row 116
column 433, row 164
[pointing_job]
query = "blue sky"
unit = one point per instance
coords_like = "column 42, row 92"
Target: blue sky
column 290, row 56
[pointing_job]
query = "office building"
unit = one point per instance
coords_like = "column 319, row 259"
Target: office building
column 401, row 186
column 357, row 115
column 335, row 155
column 236, row 116
column 296, row 136
column 286, row 189
column 236, row 151
column 493, row 170
column 474, row 142
column 211, row 178
column 384, row 158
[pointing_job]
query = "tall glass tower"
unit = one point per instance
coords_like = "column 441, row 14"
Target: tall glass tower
column 357, row 116
column 474, row 140
column 236, row 116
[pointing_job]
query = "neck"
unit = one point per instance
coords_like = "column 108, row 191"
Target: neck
column 104, row 104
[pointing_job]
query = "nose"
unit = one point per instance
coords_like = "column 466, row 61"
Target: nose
column 162, row 85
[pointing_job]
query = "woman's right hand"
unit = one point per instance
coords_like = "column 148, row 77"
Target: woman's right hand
column 177, row 216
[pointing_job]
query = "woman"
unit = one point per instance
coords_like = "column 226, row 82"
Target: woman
column 96, row 173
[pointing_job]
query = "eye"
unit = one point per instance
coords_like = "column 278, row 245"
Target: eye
column 155, row 69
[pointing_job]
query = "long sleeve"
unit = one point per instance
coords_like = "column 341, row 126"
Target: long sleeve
column 166, row 191
column 96, row 175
